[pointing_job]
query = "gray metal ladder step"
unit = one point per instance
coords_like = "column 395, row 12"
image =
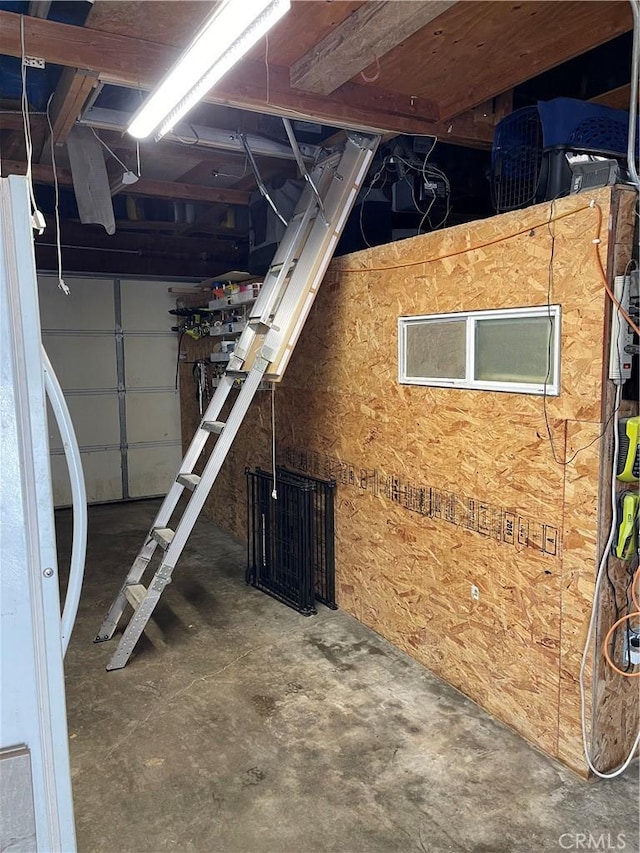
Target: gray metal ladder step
column 135, row 594
column 214, row 427
column 261, row 352
column 261, row 327
column 189, row 481
column 163, row 536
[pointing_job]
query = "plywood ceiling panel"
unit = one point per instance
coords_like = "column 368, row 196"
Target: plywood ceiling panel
column 160, row 21
column 175, row 23
column 306, row 23
column 477, row 50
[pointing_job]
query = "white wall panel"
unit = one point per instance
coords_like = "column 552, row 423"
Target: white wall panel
column 150, row 361
column 83, row 362
column 88, row 307
column 102, row 472
column 153, row 417
column 95, row 421
column 145, row 305
column 119, row 390
column 152, row 469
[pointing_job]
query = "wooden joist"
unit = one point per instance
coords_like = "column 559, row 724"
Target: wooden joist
column 43, row 174
column 617, row 98
column 367, row 34
column 72, row 91
column 134, row 62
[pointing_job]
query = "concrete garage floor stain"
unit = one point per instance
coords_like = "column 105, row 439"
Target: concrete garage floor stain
column 241, row 727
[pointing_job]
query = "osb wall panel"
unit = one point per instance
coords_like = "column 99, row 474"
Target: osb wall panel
column 616, row 706
column 441, row 489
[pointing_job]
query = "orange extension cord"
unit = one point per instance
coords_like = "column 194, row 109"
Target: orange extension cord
column 627, row 618
column 596, row 245
column 595, row 241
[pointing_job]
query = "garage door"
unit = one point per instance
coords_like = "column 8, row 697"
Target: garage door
column 114, row 354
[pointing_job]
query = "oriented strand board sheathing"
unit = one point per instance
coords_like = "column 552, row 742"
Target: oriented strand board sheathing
column 442, row 489
column 616, row 698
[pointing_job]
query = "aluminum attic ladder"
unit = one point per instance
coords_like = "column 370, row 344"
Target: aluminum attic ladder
column 262, row 353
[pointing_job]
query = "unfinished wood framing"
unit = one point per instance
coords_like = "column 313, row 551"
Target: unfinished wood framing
column 43, row 174
column 504, row 515
column 74, row 88
column 371, row 31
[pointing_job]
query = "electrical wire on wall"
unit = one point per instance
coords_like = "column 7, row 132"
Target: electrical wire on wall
column 603, row 567
column 274, row 493
column 402, row 168
column 62, row 285
column 113, row 153
column 600, row 574
column 38, row 219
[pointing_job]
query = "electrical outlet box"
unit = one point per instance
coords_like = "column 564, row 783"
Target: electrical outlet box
column 632, row 648
column 621, row 333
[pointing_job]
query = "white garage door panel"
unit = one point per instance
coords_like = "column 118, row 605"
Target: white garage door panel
column 148, row 361
column 152, row 469
column 153, row 417
column 89, row 307
column 145, row 306
column 119, row 387
column 95, row 420
column 82, row 362
column 102, row 473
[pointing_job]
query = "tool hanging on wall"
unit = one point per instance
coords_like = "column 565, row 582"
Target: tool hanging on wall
column 626, row 542
column 200, row 376
column 196, row 323
column 628, row 469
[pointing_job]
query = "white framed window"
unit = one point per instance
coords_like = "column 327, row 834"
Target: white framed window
column 510, row 349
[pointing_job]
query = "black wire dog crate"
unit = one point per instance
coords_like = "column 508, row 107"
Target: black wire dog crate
column 291, row 552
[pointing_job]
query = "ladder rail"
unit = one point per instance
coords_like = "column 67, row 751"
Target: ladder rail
column 305, row 219
column 282, row 306
column 323, row 239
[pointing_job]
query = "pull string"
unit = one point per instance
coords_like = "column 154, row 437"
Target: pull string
column 62, row 285
column 274, row 493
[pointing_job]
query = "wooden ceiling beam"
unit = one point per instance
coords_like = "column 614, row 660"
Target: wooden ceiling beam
column 617, row 98
column 133, row 62
column 94, row 236
column 480, row 49
column 70, row 96
column 367, row 34
column 175, row 191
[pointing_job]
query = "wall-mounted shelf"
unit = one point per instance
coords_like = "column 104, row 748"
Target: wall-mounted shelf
column 228, row 329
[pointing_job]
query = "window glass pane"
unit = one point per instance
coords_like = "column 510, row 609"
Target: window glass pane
column 515, row 350
column 436, row 349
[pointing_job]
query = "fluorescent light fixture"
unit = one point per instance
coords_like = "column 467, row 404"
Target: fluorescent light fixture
column 226, row 36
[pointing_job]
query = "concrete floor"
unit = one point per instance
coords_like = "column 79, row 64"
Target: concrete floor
column 242, row 727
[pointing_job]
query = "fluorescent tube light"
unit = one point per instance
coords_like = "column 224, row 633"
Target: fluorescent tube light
column 226, row 36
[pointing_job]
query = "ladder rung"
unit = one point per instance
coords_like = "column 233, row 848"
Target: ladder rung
column 163, row 536
column 135, row 593
column 258, row 325
column 213, row 426
column 189, row 481
column 237, row 374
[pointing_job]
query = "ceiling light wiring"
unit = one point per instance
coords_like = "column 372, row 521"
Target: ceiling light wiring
column 62, row 285
column 113, row 154
column 38, row 219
